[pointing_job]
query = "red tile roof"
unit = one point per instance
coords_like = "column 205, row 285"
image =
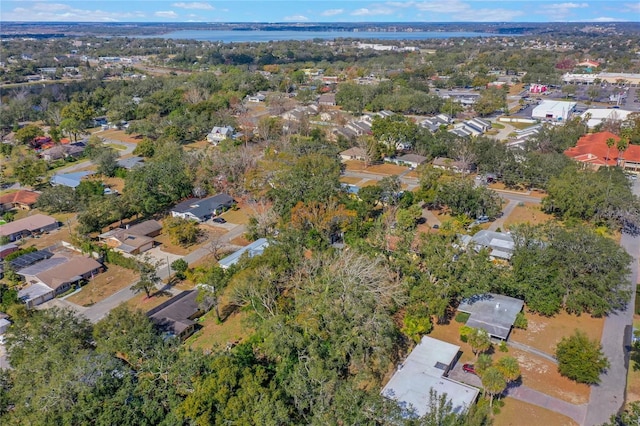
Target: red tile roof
column 592, row 148
column 24, row 197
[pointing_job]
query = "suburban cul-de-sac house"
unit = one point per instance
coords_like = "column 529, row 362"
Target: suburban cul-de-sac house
column 493, row 313
column 202, row 209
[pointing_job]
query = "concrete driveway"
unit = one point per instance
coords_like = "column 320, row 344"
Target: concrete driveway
column 158, row 255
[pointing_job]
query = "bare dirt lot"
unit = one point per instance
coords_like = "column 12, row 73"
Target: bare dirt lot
column 544, row 333
column 528, row 213
column 386, row 169
column 104, row 285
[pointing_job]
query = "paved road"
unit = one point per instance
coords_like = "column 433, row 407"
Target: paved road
column 499, row 223
column 608, row 397
column 532, row 396
column 99, row 310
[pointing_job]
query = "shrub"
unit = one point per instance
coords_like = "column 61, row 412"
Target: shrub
column 581, row 359
column 462, row 317
column 503, row 347
column 521, row 321
column 465, row 331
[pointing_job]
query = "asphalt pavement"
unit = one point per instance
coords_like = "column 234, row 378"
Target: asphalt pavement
column 608, row 397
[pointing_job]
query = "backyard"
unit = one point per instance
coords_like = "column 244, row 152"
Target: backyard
column 527, row 213
column 104, row 285
column 513, row 412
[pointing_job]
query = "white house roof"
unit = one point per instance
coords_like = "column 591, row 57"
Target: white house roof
column 424, row 370
column 553, row 108
column 34, row 291
column 597, row 116
column 256, row 248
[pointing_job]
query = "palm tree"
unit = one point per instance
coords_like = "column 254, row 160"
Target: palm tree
column 494, row 383
column 479, row 340
column 509, row 368
column 622, row 146
column 610, row 143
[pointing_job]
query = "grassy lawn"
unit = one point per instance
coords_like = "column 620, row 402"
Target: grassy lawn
column 207, row 232
column 521, row 126
column 216, row 336
column 350, row 180
column 516, row 88
column 369, row 182
column 119, row 135
column 104, row 285
column 200, row 145
column 140, row 301
column 354, row 165
column 412, row 174
column 528, row 213
column 544, row 333
column 497, row 125
column 239, row 217
column 386, row 169
column 117, row 147
column 514, row 412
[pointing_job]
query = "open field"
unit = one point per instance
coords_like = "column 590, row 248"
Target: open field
column 544, row 333
column 119, row 135
column 528, row 213
column 518, row 413
column 354, row 165
column 199, row 145
column 104, row 285
column 515, row 89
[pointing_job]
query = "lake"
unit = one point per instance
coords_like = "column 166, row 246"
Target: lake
column 227, row 36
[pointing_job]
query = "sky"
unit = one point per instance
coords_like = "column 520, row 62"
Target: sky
column 319, row 11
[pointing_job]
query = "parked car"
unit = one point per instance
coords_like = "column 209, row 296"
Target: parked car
column 469, row 368
column 436, row 226
column 218, row 220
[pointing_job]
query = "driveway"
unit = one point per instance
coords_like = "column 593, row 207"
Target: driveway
column 608, row 397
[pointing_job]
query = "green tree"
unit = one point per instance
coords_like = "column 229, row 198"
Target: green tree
column 493, row 383
column 58, row 199
column 77, row 117
column 28, row 133
column 479, row 340
column 509, row 368
column 180, row 266
column 30, row 171
column 183, row 232
column 580, row 358
column 148, row 275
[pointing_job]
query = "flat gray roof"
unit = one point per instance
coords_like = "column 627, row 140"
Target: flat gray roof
column 492, row 312
column 424, row 370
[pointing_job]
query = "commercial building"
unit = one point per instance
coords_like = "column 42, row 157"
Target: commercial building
column 553, row 110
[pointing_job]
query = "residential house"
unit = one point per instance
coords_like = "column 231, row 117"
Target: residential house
column 29, row 259
column 492, row 312
column 327, row 99
column 7, row 249
column 72, row 180
column 218, row 134
column 176, row 317
column 202, row 209
column 453, row 165
column 36, row 224
column 22, row 199
column 593, row 152
column 133, row 239
column 130, row 163
column 499, row 244
column 258, row 97
column 411, row 160
column 423, row 371
column 354, row 153
column 74, row 150
column 256, row 248
column 435, row 123
column 58, row 279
